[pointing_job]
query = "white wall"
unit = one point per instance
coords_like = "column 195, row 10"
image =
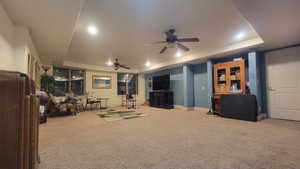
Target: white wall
column 15, row 45
column 7, row 34
column 20, row 57
column 114, row 99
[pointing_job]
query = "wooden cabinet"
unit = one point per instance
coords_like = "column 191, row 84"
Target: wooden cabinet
column 229, row 77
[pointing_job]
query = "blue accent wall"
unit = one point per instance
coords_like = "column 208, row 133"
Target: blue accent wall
column 210, row 85
column 252, row 73
column 193, row 84
column 231, row 58
column 176, row 83
column 263, row 80
column 188, row 86
column 201, row 87
column 257, row 79
column 196, row 89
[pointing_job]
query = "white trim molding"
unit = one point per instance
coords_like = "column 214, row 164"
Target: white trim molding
column 181, row 107
column 262, row 116
column 203, row 109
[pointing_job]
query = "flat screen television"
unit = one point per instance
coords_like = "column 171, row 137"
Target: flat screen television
column 161, row 82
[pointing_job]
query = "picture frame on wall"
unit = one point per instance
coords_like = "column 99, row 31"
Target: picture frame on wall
column 102, row 82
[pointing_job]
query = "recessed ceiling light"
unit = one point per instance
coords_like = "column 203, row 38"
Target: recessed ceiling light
column 92, row 30
column 178, row 54
column 109, row 63
column 147, row 64
column 240, row 36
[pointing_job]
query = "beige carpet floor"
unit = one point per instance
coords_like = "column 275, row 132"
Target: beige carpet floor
column 168, row 139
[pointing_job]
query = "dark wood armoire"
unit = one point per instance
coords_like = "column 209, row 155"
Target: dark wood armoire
column 19, row 122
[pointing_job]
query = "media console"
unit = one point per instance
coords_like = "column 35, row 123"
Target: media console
column 242, row 107
column 162, row 99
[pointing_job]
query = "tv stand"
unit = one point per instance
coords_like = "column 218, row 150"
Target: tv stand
column 162, row 99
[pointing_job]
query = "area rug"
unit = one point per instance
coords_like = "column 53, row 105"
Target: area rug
column 115, row 115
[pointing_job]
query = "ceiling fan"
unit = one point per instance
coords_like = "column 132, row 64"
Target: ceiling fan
column 171, row 38
column 117, row 65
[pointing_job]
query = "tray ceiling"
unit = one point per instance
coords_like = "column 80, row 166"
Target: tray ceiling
column 127, row 27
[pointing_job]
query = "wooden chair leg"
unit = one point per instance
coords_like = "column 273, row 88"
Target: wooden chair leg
column 82, row 107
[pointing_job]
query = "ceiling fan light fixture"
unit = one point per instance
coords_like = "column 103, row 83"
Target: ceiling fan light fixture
column 178, row 54
column 147, row 63
column 92, row 30
column 109, row 63
column 240, row 35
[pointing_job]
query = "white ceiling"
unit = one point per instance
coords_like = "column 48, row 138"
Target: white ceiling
column 276, row 21
column 126, row 27
column 51, row 24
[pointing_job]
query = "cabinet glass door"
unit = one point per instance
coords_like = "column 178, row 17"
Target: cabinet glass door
column 235, row 80
column 221, row 80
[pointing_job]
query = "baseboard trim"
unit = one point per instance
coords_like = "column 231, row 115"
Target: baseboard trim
column 262, row 116
column 201, row 109
column 189, row 108
column 181, row 107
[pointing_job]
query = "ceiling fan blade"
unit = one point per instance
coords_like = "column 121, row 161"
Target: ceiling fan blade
column 163, row 50
column 188, row 40
column 124, row 66
column 159, row 42
column 116, row 67
column 182, row 47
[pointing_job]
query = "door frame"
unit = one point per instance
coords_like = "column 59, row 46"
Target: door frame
column 269, row 113
column 267, row 78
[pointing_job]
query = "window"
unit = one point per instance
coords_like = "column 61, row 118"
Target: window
column 127, row 83
column 77, row 82
column 67, row 80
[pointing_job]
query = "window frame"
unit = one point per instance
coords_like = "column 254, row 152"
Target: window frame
column 137, row 83
column 70, row 78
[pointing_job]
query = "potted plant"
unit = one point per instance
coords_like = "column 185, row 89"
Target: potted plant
column 47, row 81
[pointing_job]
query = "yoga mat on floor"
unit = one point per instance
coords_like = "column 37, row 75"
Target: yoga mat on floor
column 115, row 115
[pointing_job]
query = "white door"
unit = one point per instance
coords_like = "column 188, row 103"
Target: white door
column 283, row 82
